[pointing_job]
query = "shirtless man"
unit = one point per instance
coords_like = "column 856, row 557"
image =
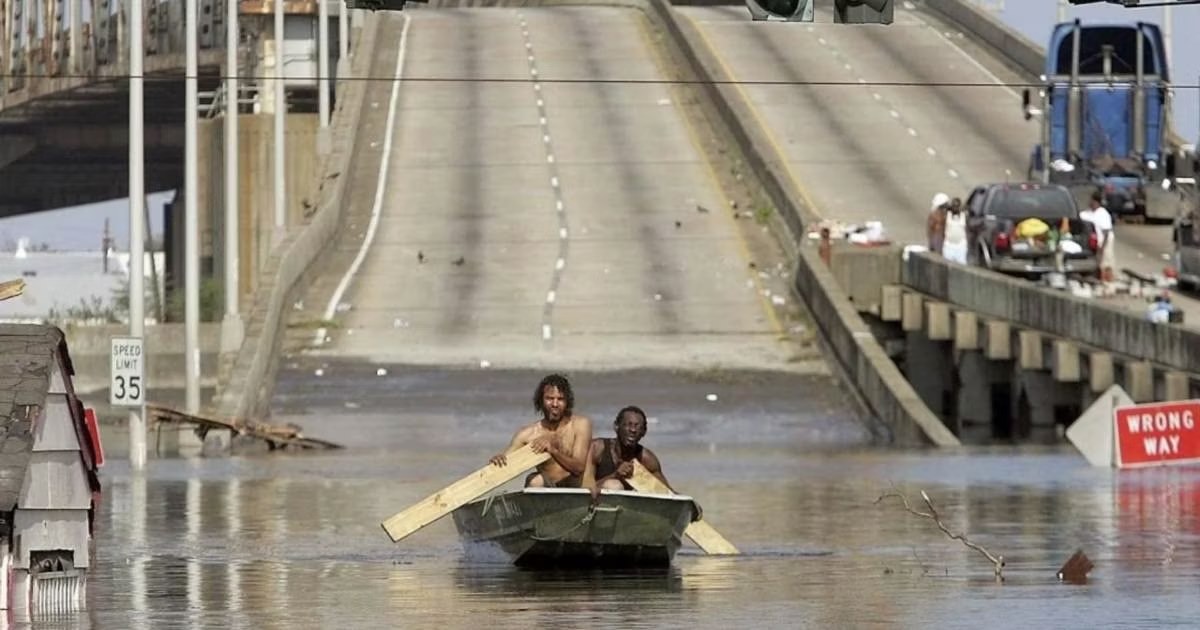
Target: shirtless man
column 559, row 432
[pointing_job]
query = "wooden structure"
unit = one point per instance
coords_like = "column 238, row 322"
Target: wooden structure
column 450, row 498
column 700, row 532
column 49, row 458
column 276, row 436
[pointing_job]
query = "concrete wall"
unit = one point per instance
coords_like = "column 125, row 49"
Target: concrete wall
column 867, row 367
column 256, row 190
column 862, row 272
column 90, row 348
column 1057, row 313
column 245, row 388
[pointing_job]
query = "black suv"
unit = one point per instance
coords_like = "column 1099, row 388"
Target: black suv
column 995, row 210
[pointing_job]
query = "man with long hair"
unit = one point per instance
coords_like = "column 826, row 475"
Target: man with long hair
column 566, row 436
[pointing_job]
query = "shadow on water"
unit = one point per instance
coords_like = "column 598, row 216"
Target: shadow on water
column 507, row 582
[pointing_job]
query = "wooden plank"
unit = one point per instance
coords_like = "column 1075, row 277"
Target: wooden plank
column 459, row 493
column 11, row 289
column 701, row 533
column 274, row 435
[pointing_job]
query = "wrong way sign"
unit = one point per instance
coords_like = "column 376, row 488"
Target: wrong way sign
column 1154, row 434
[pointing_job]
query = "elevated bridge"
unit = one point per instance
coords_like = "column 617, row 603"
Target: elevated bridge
column 64, row 91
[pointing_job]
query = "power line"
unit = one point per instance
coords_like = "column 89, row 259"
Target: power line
column 179, row 78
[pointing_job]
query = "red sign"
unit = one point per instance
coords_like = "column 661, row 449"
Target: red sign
column 93, row 427
column 1157, row 433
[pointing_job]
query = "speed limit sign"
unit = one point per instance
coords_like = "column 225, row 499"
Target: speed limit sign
column 127, row 387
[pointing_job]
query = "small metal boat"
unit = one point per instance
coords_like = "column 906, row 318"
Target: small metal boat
column 540, row 527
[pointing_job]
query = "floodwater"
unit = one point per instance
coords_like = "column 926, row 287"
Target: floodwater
column 780, row 467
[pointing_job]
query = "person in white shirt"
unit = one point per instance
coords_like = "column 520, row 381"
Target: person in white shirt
column 1102, row 222
column 954, row 244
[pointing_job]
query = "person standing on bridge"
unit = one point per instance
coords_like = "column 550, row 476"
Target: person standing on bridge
column 559, row 432
column 935, row 223
column 1102, row 223
column 954, row 245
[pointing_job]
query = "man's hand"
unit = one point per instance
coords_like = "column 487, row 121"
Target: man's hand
column 699, row 512
column 624, row 470
column 499, row 460
column 544, row 444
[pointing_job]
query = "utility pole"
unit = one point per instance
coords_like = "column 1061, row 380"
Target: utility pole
column 1166, row 31
column 191, row 184
column 105, row 243
column 323, row 64
column 231, row 327
column 137, row 230
column 280, row 112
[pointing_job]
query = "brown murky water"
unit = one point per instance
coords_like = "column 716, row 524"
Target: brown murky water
column 275, row 541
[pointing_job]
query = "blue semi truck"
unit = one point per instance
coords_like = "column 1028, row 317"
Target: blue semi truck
column 1105, row 112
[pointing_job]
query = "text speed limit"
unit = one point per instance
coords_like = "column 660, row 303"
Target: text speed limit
column 127, row 386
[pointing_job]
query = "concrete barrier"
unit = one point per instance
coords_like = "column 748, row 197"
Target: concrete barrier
column 1058, row 313
column 91, row 350
column 245, row 388
column 866, row 366
column 983, row 27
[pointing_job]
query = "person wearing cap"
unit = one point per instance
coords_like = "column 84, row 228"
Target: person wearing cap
column 935, row 224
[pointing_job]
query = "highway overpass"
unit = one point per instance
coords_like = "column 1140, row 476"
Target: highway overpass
column 538, row 192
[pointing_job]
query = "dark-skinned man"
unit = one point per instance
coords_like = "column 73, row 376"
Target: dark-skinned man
column 559, row 432
column 612, row 458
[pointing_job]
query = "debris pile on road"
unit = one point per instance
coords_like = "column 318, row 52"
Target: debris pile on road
column 869, row 233
column 276, row 436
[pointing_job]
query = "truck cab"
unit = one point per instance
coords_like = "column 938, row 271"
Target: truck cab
column 1105, row 111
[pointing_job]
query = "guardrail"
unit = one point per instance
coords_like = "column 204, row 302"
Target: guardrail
column 1099, row 325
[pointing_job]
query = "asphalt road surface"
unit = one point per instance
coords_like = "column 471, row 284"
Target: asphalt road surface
column 535, row 213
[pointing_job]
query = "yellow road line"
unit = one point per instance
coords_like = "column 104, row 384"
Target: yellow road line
column 714, row 181
column 780, row 155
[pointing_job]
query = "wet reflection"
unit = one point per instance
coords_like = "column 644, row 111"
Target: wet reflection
column 280, row 543
column 287, row 541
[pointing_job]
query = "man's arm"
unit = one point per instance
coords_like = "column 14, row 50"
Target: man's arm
column 654, row 467
column 574, row 456
column 650, row 461
column 518, row 440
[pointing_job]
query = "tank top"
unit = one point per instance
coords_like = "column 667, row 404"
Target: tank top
column 608, row 464
column 956, row 228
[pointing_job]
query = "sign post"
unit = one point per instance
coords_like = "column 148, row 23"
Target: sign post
column 127, row 387
column 1155, row 434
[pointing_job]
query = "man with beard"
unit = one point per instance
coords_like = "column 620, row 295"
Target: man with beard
column 559, row 432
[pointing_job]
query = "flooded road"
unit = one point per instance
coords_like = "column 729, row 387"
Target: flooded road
column 293, row 540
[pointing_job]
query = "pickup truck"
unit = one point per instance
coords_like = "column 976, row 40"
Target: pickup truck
column 995, row 211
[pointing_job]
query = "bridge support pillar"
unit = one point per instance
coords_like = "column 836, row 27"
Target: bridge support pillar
column 1139, row 381
column 929, row 367
column 1176, row 386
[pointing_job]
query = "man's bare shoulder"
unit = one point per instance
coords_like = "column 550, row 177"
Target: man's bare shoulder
column 528, row 431
column 649, row 459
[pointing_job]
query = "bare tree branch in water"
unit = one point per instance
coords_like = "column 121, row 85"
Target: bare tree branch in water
column 997, row 561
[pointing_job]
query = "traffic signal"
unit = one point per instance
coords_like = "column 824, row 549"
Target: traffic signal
column 379, row 5
column 863, row 11
column 790, row 10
